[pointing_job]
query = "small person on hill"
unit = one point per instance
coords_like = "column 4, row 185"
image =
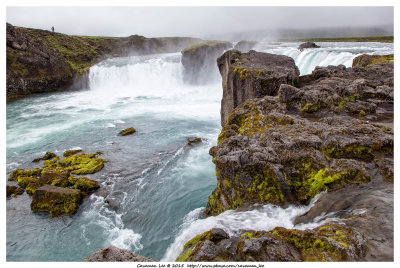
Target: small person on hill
column 52, row 29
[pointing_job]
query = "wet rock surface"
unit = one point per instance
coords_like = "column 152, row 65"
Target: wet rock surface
column 114, row 254
column 198, row 61
column 252, row 75
column 307, row 45
column 329, row 131
column 245, row 45
column 366, row 60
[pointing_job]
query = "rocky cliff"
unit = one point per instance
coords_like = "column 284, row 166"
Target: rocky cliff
column 198, row 61
column 42, row 61
column 252, row 75
column 329, row 131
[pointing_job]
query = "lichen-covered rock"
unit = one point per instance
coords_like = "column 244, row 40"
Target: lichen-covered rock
column 56, row 200
column 24, row 181
column 366, row 60
column 193, row 140
column 287, row 149
column 87, row 186
column 127, row 131
column 71, row 152
column 114, row 254
column 252, row 75
column 307, row 45
column 47, row 156
column 245, row 45
column 14, row 191
column 330, row 242
column 24, row 173
column 198, row 61
column 57, row 173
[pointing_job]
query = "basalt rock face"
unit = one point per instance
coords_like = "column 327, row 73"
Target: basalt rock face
column 331, row 132
column 198, row 61
column 245, row 46
column 252, row 75
column 114, row 254
column 43, row 61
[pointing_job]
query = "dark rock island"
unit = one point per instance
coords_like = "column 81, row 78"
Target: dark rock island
column 291, row 138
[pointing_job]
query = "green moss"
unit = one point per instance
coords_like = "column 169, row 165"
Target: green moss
column 24, row 173
column 214, row 43
column 310, row 108
column 24, row 181
column 31, row 188
column 350, row 151
column 86, row 185
column 82, row 164
column 244, row 73
column 71, row 152
column 362, row 113
column 189, row 247
column 385, row 128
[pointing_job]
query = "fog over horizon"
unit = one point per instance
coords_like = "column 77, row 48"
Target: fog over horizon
column 208, row 22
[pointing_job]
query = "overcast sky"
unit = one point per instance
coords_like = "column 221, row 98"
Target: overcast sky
column 192, row 21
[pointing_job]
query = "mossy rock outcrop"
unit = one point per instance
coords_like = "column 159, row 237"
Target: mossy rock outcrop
column 198, row 61
column 252, row 75
column 56, row 200
column 273, row 150
column 330, row 242
column 114, row 254
column 127, row 131
column 366, row 60
column 58, row 173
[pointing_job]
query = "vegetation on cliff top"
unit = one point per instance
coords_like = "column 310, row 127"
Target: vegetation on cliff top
column 382, row 39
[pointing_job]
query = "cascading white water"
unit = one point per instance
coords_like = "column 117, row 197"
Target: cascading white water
column 329, row 53
column 260, row 219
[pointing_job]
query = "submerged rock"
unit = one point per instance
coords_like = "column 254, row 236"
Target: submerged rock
column 245, row 46
column 308, row 45
column 56, row 200
column 127, row 131
column 114, row 254
column 198, row 61
column 366, row 60
column 252, row 75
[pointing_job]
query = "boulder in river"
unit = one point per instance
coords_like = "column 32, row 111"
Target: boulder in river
column 56, row 200
column 127, row 131
column 193, row 140
column 308, row 45
column 114, row 254
column 13, row 191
